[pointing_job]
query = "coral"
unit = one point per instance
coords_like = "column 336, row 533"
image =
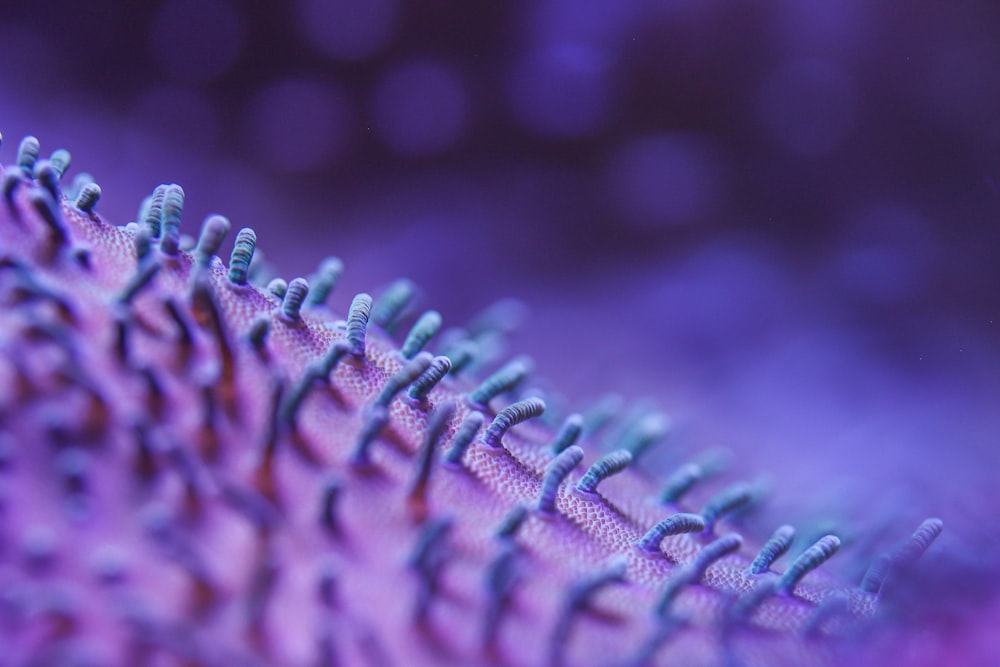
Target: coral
column 195, row 470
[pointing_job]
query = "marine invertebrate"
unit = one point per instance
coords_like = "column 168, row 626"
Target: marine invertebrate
column 199, row 471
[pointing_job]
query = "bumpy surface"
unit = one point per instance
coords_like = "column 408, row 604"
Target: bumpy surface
column 195, row 470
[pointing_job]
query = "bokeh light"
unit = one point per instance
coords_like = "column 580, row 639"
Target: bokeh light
column 184, row 116
column 196, row 40
column 668, row 179
column 886, row 254
column 593, row 23
column 348, row 30
column 299, row 124
column 419, row 108
column 563, row 90
column 808, row 106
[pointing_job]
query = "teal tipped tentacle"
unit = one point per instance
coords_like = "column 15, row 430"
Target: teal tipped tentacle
column 773, row 549
column 436, row 424
column 48, row 209
column 727, row 501
column 502, row 317
column 876, row 574
column 333, row 356
column 568, row 433
column 462, row 353
column 429, row 379
column 170, row 220
column 243, row 251
column 606, row 466
column 143, row 244
column 324, row 280
column 295, row 296
column 577, row 598
column 257, row 334
column 27, row 155
column 403, row 378
column 151, row 215
column 329, row 497
column 680, row 482
column 512, row 522
column 376, row 417
column 142, row 278
column 693, row 572
column 77, row 184
column 60, row 161
column 428, row 558
column 505, row 379
column 48, row 177
column 11, row 179
column 602, row 413
column 502, row 576
column 423, row 330
column 808, row 560
column 293, row 399
column 743, row 607
column 926, row 533
column 213, row 233
column 713, row 552
column 260, row 271
column 277, row 287
column 357, row 323
column 88, row 197
column 834, row 606
column 643, row 433
column 675, row 524
column 555, row 473
column 510, row 416
column 390, row 306
column 464, row 436
column 904, row 556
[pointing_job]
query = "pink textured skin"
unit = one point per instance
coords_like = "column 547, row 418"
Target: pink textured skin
column 203, row 620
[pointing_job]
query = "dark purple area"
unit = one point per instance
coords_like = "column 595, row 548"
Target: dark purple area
column 777, row 220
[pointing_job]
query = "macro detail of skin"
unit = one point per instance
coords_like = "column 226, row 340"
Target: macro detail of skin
column 199, row 470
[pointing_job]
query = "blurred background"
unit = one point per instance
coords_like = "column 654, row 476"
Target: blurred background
column 776, row 221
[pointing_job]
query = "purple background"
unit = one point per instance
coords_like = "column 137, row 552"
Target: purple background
column 778, row 220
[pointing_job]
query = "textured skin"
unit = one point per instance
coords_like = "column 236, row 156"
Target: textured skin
column 212, row 511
